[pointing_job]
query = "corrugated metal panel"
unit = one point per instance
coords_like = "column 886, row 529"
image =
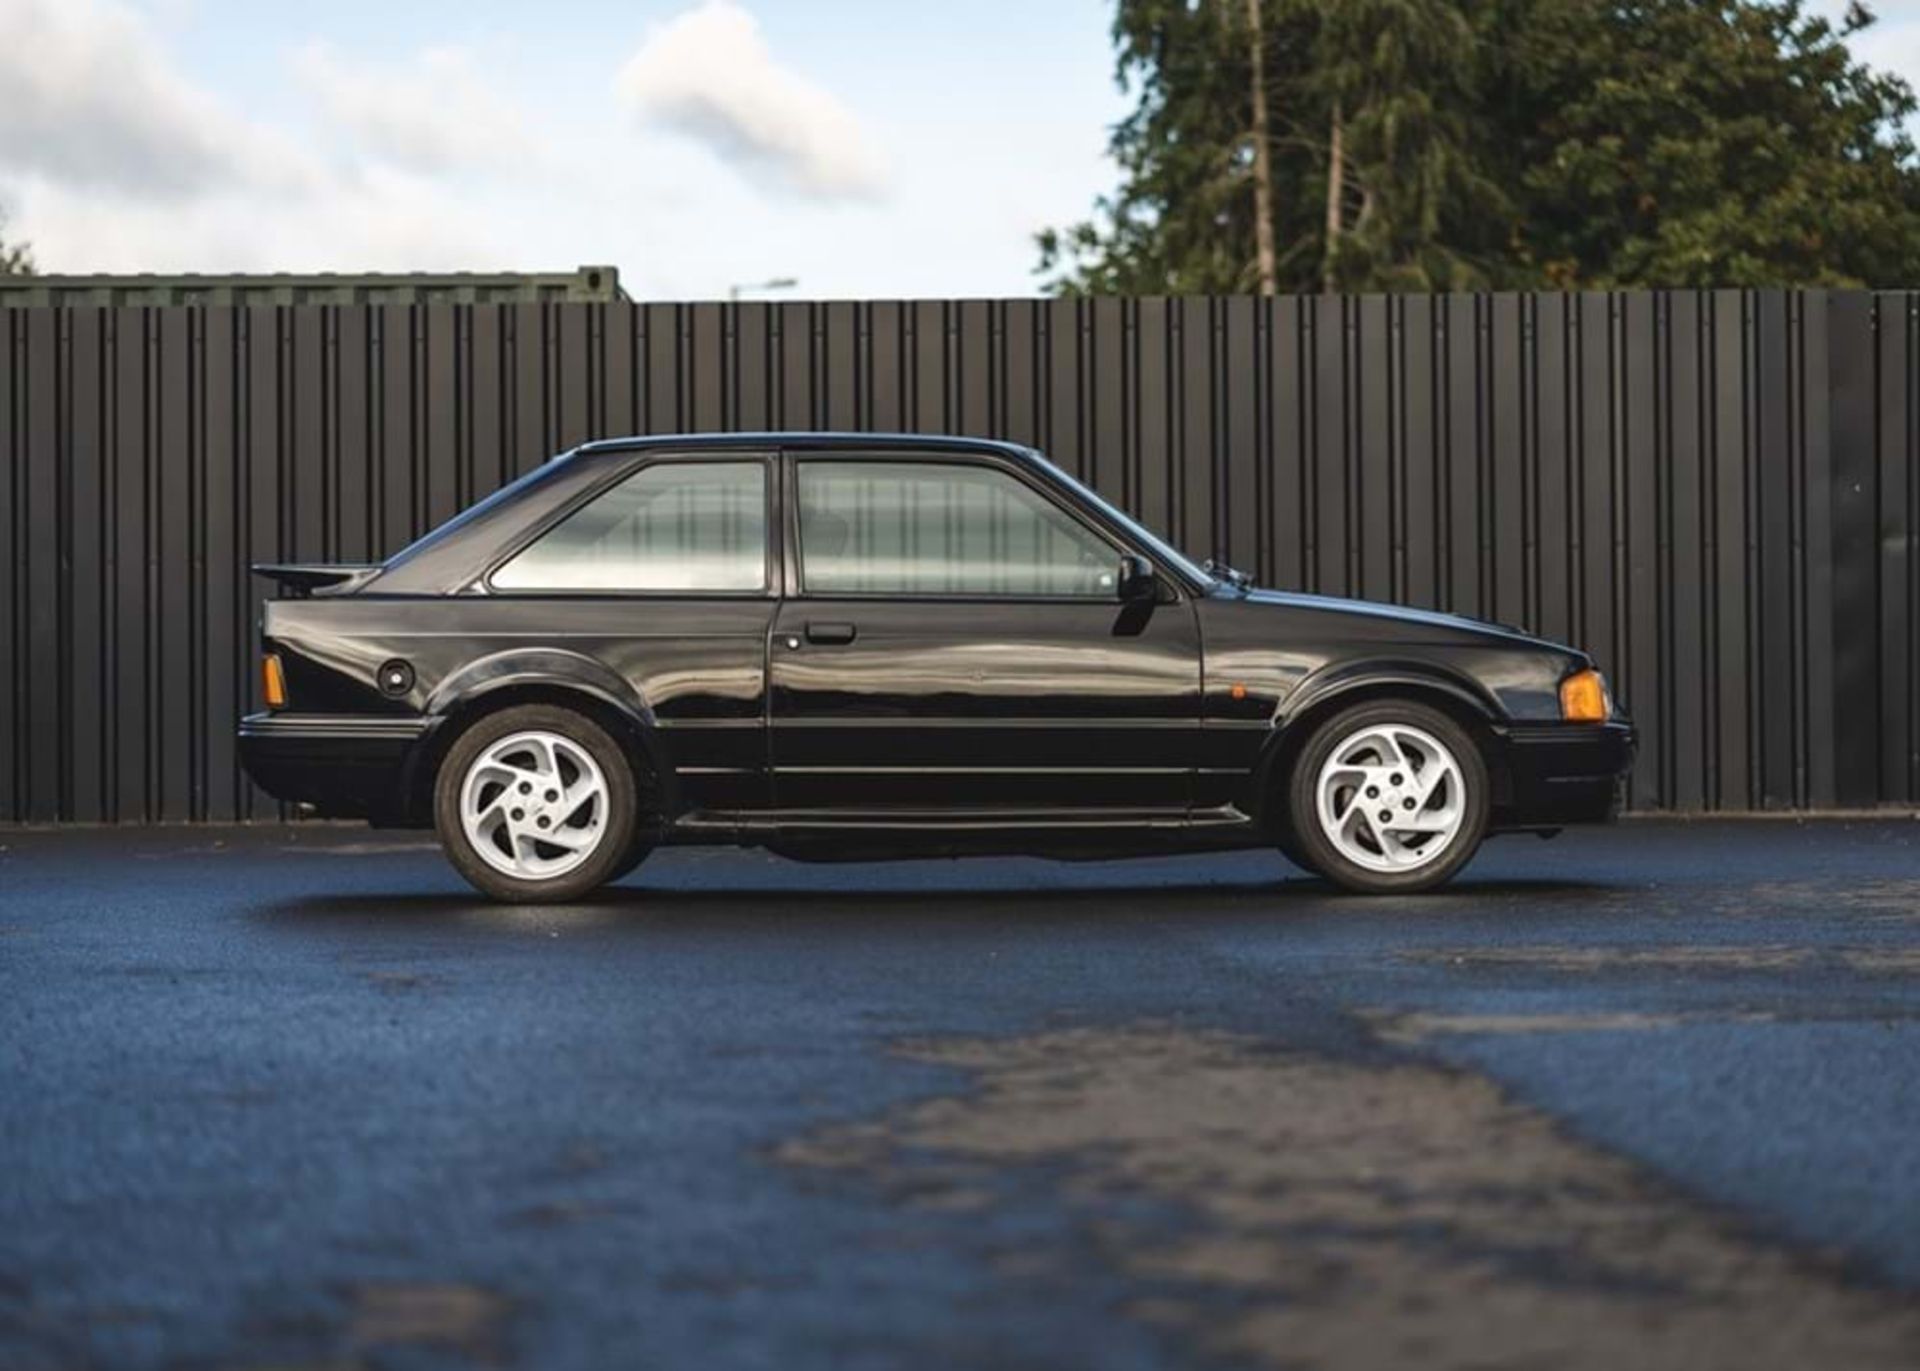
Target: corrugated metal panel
column 1716, row 492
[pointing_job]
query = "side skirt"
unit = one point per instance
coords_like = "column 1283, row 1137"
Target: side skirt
column 1091, row 835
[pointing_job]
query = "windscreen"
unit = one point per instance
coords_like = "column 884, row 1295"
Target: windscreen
column 1163, row 551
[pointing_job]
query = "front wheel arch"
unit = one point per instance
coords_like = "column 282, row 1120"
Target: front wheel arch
column 1269, row 798
column 1381, row 865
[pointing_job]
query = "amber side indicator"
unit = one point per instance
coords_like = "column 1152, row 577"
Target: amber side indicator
column 273, row 681
column 1583, row 697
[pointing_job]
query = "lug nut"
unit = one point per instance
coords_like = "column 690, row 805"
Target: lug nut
column 525, row 789
column 1386, row 816
column 1373, row 792
column 543, row 821
column 1396, row 778
column 1406, row 804
column 552, row 795
column 519, row 814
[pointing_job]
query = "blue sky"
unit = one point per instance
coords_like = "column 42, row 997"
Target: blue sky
column 868, row 148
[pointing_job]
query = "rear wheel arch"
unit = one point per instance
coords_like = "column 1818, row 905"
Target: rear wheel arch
column 629, row 728
column 503, row 819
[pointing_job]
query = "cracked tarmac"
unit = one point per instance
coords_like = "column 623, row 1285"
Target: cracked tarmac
column 1644, row 1096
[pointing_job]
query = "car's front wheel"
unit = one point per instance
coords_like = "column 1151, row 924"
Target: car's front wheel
column 535, row 805
column 1389, row 796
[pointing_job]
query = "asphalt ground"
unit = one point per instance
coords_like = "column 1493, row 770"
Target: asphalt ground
column 1646, row 1096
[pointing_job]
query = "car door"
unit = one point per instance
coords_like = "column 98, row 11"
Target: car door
column 953, row 642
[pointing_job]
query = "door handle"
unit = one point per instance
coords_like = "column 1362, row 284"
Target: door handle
column 829, row 633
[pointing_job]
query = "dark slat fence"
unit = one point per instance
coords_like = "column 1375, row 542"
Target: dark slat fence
column 1718, row 493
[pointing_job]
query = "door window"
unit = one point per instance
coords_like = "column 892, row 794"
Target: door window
column 687, row 526
column 928, row 528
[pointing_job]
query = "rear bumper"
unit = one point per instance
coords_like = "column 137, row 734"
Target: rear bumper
column 345, row 766
column 1563, row 773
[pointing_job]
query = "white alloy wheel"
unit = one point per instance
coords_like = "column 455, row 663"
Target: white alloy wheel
column 1391, row 797
column 534, row 805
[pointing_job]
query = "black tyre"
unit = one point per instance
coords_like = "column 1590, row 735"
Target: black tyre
column 536, row 805
column 1291, row 847
column 638, row 851
column 1388, row 797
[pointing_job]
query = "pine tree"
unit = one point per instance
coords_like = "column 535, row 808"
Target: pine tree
column 1183, row 220
column 1678, row 143
column 1441, row 144
column 1407, row 207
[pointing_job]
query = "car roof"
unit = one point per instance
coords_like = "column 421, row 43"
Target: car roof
column 807, row 438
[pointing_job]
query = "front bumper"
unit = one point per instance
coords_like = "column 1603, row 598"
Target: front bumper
column 344, row 766
column 1558, row 773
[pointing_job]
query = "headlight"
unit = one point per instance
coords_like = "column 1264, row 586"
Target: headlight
column 1584, row 699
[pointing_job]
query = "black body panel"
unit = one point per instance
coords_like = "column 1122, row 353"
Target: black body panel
column 690, row 673
column 1273, row 659
column 1563, row 773
column 865, row 725
column 980, row 706
column 344, row 766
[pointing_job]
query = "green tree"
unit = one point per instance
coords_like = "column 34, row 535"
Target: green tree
column 1182, row 220
column 1407, row 205
column 1260, row 135
column 15, row 260
column 1678, row 143
column 1354, row 122
column 1439, row 144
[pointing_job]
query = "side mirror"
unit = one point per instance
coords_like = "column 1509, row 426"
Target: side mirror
column 1137, row 581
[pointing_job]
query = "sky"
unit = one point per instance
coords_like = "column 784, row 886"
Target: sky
column 864, row 148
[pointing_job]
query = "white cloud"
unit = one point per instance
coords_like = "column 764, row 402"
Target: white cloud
column 87, row 99
column 376, row 221
column 237, row 155
column 437, row 113
column 112, row 159
column 708, row 73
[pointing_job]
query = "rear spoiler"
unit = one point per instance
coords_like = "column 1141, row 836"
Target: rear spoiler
column 302, row 579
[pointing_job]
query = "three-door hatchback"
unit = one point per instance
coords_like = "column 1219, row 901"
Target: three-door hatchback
column 850, row 646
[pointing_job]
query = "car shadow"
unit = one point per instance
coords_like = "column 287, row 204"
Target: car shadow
column 652, row 904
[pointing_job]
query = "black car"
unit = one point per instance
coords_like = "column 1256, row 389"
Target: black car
column 849, row 646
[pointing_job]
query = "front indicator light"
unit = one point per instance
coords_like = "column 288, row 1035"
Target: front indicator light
column 1583, row 698
column 273, row 681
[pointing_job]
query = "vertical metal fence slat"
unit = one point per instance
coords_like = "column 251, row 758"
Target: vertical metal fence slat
column 1896, row 440
column 1731, row 587
column 1644, row 472
column 130, row 708
column 41, row 546
column 1684, row 650
column 86, row 413
column 13, row 776
column 1377, row 518
column 172, row 631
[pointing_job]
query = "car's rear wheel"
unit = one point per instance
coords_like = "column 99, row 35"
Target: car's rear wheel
column 1388, row 796
column 536, row 805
